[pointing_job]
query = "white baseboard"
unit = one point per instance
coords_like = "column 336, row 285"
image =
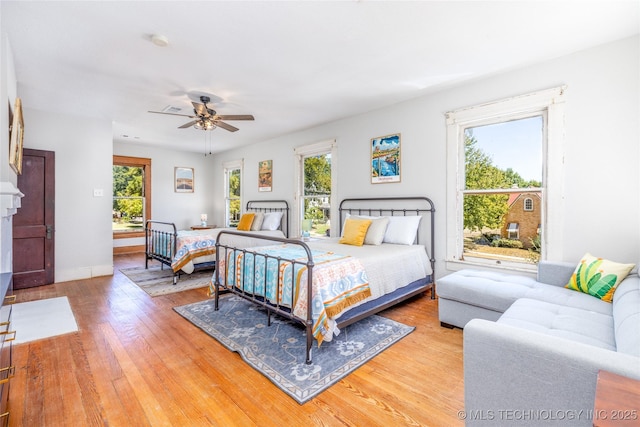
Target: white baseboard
column 83, row 273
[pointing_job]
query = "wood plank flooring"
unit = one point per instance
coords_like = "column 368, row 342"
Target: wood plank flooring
column 136, row 362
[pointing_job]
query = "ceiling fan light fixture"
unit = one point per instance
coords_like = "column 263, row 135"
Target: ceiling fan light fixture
column 204, row 125
column 159, row 40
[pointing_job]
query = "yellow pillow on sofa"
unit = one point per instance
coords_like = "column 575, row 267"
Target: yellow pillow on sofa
column 598, row 277
column 245, row 222
column 355, row 231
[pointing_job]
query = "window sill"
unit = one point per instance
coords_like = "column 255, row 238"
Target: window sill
column 525, row 269
column 128, row 234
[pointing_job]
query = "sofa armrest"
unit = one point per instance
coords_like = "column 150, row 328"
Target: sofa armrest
column 555, row 273
column 513, row 376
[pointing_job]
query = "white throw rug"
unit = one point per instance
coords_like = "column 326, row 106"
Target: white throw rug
column 35, row 320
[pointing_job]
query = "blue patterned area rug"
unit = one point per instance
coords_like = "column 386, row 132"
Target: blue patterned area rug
column 278, row 351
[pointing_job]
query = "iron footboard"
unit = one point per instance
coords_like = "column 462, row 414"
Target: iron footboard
column 160, row 243
column 257, row 296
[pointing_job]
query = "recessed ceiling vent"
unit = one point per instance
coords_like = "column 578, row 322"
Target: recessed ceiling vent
column 171, row 109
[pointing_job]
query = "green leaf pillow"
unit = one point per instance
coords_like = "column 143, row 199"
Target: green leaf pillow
column 598, row 277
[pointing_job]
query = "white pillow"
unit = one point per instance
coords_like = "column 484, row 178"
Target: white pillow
column 377, row 229
column 402, row 230
column 257, row 221
column 271, row 221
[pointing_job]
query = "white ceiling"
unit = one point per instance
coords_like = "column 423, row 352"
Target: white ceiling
column 292, row 64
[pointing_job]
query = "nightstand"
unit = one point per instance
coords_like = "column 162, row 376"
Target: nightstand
column 202, row 227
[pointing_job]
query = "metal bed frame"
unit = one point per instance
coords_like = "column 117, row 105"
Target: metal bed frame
column 160, row 236
column 424, row 206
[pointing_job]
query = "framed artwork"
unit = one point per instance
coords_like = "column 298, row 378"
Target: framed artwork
column 16, row 138
column 183, row 180
column 385, row 159
column 265, row 175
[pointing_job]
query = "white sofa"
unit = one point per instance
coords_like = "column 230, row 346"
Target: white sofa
column 533, row 349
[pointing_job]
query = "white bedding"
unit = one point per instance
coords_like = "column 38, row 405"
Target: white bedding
column 231, row 240
column 388, row 266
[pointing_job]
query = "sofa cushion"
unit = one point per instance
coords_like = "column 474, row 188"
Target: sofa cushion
column 626, row 315
column 571, row 323
column 497, row 291
column 598, row 277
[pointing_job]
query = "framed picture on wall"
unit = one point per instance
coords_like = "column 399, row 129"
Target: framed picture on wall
column 385, row 159
column 265, row 175
column 16, row 138
column 183, row 179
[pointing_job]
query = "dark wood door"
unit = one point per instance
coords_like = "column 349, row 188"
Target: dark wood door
column 33, row 225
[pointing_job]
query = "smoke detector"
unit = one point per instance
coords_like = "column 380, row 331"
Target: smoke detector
column 159, row 40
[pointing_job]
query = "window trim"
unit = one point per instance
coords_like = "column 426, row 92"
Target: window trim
column 551, row 104
column 323, row 147
column 145, row 164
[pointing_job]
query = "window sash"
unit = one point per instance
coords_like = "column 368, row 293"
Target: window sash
column 528, row 204
column 310, row 150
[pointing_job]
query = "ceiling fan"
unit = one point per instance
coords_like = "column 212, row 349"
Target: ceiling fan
column 206, row 118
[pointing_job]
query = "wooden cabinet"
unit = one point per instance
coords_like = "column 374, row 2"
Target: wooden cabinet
column 617, row 401
column 7, row 335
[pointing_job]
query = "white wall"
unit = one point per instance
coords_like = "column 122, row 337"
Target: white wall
column 602, row 183
column 7, row 175
column 183, row 209
column 83, row 159
column 7, row 91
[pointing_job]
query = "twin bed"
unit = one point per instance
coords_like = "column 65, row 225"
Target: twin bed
column 186, row 251
column 378, row 261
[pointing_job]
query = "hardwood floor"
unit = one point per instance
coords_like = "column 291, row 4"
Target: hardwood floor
column 136, row 362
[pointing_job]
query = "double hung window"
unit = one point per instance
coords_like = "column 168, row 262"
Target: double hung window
column 233, row 193
column 131, row 196
column 315, row 168
column 504, row 159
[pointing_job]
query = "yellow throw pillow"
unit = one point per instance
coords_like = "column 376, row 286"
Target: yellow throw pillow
column 598, row 277
column 355, row 231
column 245, row 222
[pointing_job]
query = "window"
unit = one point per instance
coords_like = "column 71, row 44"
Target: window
column 131, row 196
column 315, row 168
column 233, row 199
column 497, row 153
column 513, row 231
column 528, row 204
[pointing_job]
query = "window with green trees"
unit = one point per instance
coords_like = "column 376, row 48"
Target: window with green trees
column 494, row 195
column 131, row 196
column 505, row 169
column 317, row 192
column 232, row 196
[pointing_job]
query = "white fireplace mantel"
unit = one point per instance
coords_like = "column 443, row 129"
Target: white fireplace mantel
column 9, row 199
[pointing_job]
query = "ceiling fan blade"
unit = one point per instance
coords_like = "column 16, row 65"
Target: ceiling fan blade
column 171, row 114
column 235, row 117
column 191, row 123
column 200, row 109
column 226, row 126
